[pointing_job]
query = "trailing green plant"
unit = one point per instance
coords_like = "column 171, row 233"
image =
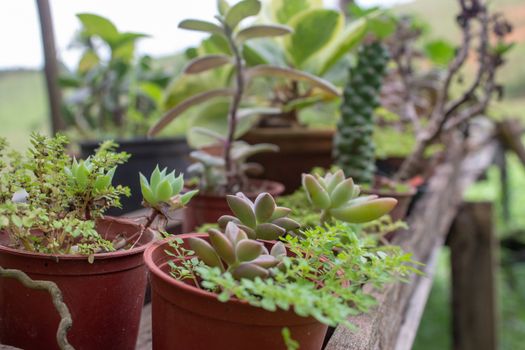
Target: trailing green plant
column 50, row 202
column 234, row 252
column 354, row 148
column 111, row 93
column 328, row 289
column 227, row 32
column 338, row 198
column 261, row 219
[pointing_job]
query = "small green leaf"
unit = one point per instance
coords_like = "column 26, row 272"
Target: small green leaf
column 264, row 207
column 269, row 231
column 249, row 271
column 242, row 10
column 316, row 193
column 242, row 209
column 223, row 7
column 201, row 26
column 262, row 31
column 365, row 212
column 204, row 63
column 248, row 249
column 205, row 252
column 186, row 197
column 163, row 191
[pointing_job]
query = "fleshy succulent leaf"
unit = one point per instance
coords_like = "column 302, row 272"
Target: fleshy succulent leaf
column 335, row 180
column 287, row 223
column 242, row 208
column 342, row 193
column 250, row 271
column 278, row 250
column 205, row 252
column 186, row 197
column 266, row 261
column 163, row 191
column 264, row 207
column 269, row 231
column 365, row 212
column 223, row 246
column 248, row 249
column 316, row 193
column 280, row 212
column 225, row 219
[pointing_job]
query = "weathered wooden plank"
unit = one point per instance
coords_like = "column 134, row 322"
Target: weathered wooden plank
column 473, row 255
column 429, row 223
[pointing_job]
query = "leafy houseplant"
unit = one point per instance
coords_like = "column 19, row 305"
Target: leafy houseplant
column 113, row 94
column 53, row 228
column 229, row 171
column 237, row 285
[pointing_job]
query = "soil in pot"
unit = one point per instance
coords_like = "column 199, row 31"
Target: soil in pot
column 105, row 298
column 145, row 155
column 300, row 150
column 208, row 208
column 185, row 317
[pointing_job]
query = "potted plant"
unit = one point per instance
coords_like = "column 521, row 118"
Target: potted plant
column 259, row 282
column 118, row 96
column 305, row 130
column 223, row 168
column 53, row 228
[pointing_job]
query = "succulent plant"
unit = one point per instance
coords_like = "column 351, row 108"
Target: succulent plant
column 261, row 219
column 354, row 148
column 233, row 251
column 163, row 188
column 211, row 169
column 81, row 172
column 338, row 198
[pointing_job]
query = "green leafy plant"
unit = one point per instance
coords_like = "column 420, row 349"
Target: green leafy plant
column 354, row 149
column 113, row 94
column 338, row 198
column 211, row 169
column 232, row 39
column 50, row 202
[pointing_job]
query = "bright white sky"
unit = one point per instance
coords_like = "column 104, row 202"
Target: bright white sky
column 20, row 31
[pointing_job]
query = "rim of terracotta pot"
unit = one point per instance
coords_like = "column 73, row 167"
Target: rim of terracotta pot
column 275, row 188
column 208, row 296
column 99, row 256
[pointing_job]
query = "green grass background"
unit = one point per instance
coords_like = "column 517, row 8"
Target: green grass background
column 23, row 109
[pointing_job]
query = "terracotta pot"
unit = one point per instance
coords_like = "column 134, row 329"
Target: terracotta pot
column 403, row 200
column 207, row 208
column 301, row 149
column 185, row 317
column 105, row 298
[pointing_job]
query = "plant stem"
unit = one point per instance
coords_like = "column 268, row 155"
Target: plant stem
column 232, row 117
column 151, row 218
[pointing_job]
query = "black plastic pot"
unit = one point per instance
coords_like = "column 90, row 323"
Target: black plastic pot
column 145, row 155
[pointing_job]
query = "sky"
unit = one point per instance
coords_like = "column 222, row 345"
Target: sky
column 20, row 40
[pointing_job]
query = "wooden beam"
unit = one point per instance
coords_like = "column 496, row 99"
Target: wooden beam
column 50, row 66
column 429, row 224
column 473, row 248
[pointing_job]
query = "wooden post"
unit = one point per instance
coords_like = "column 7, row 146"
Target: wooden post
column 473, row 259
column 50, row 65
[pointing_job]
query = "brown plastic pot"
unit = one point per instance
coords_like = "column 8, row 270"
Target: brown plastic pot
column 186, row 317
column 105, row 298
column 208, row 208
column 300, row 150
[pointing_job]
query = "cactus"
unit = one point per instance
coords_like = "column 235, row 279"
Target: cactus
column 261, row 219
column 338, row 198
column 233, row 251
column 354, row 149
column 164, row 188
